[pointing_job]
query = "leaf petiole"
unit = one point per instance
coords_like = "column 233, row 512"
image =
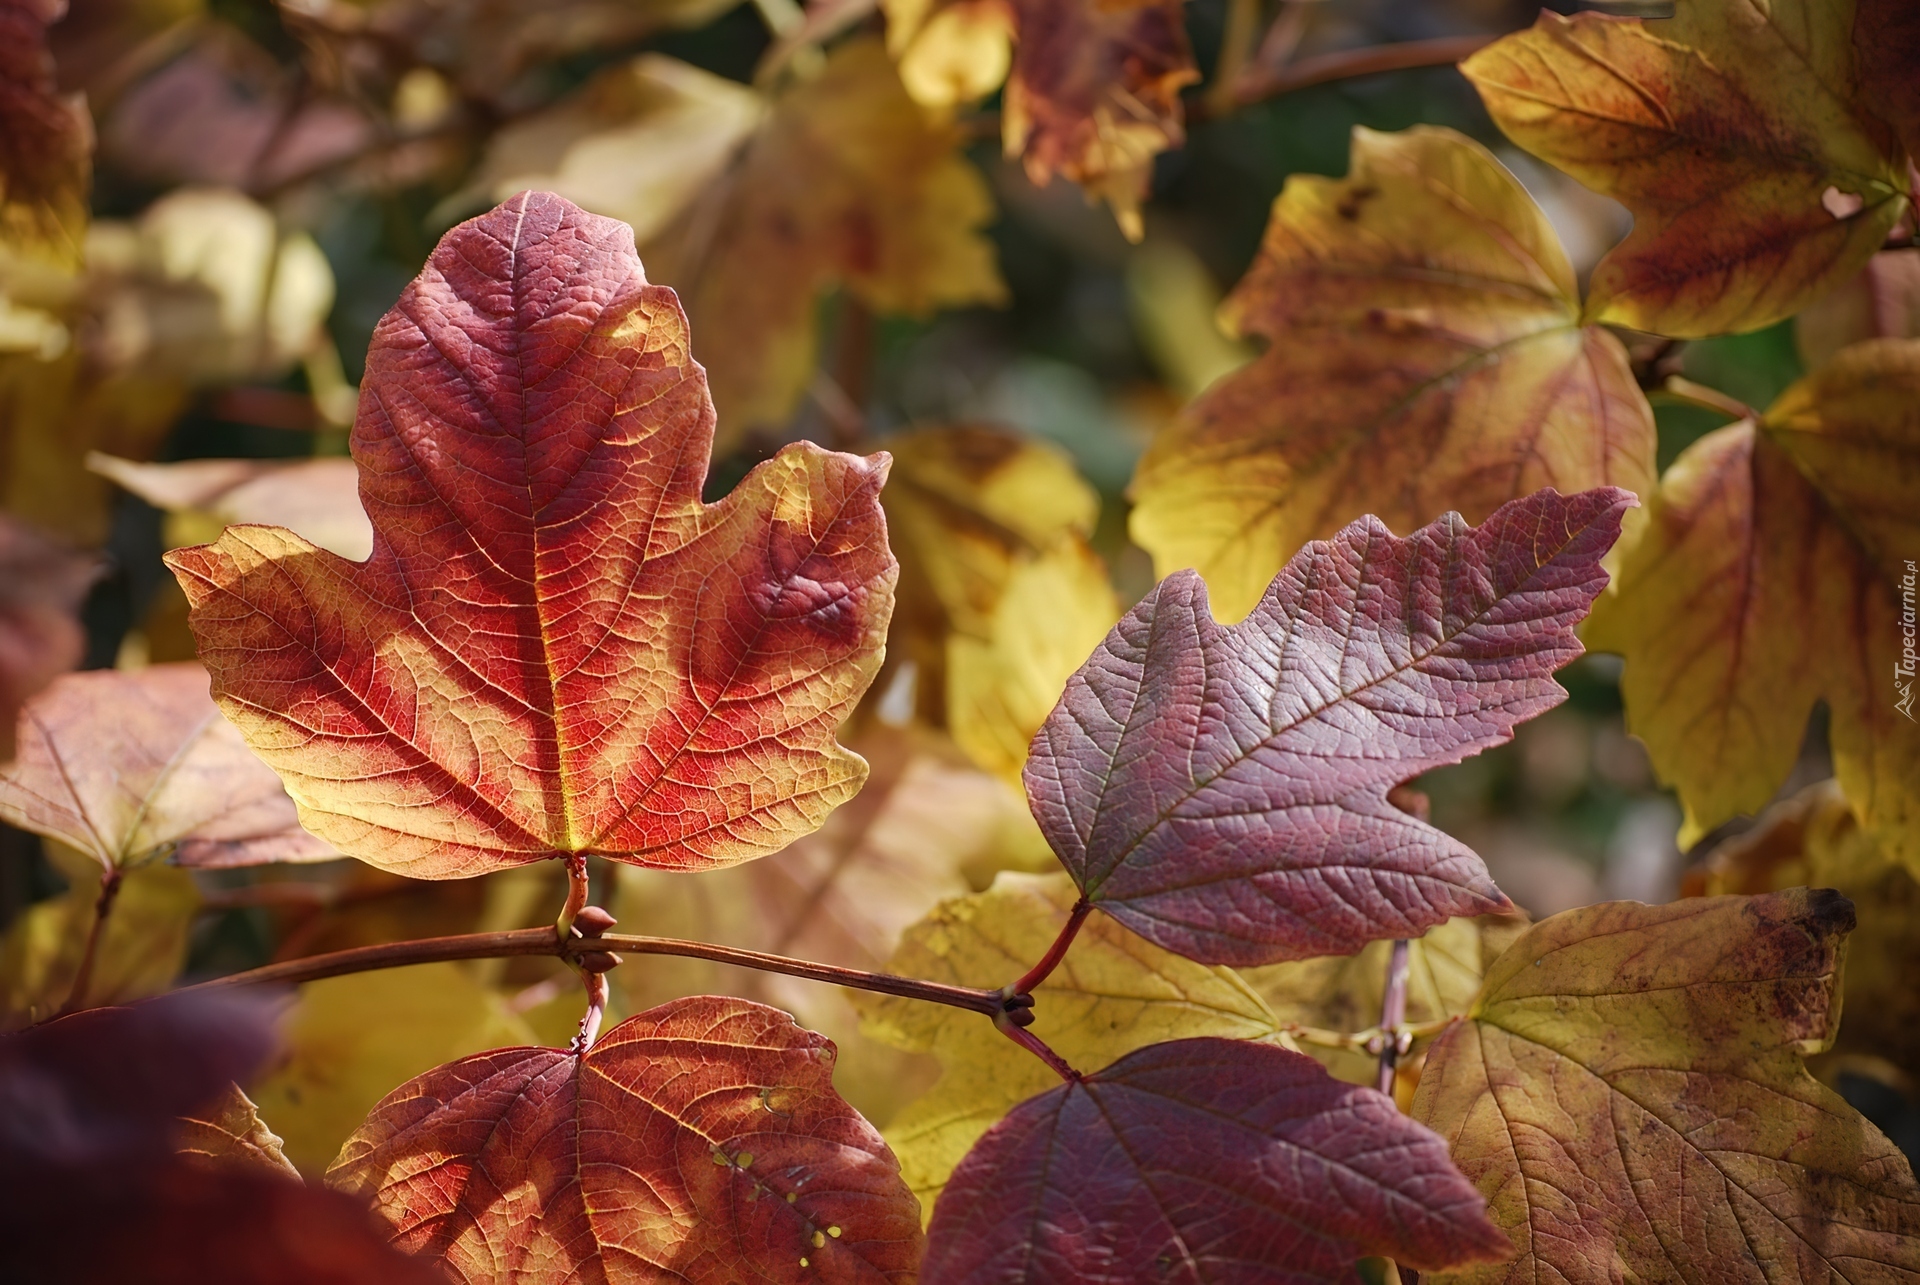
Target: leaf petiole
column 102, row 907
column 1055, row 953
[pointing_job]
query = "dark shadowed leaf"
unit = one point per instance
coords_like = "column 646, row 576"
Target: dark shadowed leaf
column 700, row 1141
column 1209, row 1162
column 555, row 647
column 1223, row 790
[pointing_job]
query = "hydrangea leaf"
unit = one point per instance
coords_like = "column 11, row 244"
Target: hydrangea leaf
column 696, row 1141
column 41, row 587
column 1768, row 578
column 846, row 184
column 1222, row 790
column 229, row 1131
column 1629, row 1094
column 1207, row 1160
column 1426, row 352
column 1737, row 134
column 556, row 646
column 1112, row 994
column 127, row 766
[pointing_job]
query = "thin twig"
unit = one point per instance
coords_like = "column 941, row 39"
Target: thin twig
column 102, row 907
column 1393, row 1012
column 541, row 941
column 1347, row 64
column 1685, row 390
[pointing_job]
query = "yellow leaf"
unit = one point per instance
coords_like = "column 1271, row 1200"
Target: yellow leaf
column 847, row 185
column 1175, row 304
column 1770, row 576
column 1732, row 131
column 352, row 1040
column 637, row 143
column 951, row 55
column 1426, row 353
column 142, row 945
column 1630, row 1095
column 1114, row 992
column 1345, row 993
column 229, row 1131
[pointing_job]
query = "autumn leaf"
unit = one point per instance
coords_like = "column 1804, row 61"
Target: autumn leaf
column 923, row 828
column 1881, row 301
column 129, row 766
column 697, row 1140
column 1739, row 134
column 141, row 948
column 555, row 647
column 318, row 499
column 1813, row 839
column 1886, row 48
column 1426, row 352
column 847, row 185
column 1345, row 992
column 229, row 1131
column 46, row 146
column 1767, row 579
column 1218, row 1159
column 1629, row 1094
column 1112, row 994
column 351, row 1039
column 41, row 587
column 1001, row 597
column 1206, row 785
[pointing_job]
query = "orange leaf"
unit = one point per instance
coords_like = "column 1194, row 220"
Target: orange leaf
column 555, row 646
column 700, row 1141
column 1736, row 132
column 129, row 766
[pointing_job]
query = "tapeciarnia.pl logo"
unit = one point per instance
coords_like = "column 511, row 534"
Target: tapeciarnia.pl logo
column 1903, row 668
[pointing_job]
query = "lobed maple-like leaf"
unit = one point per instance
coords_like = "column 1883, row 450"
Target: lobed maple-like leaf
column 555, row 646
column 41, row 586
column 1112, row 993
column 695, row 1142
column 1740, row 135
column 1222, row 791
column 1629, row 1094
column 1767, row 578
column 127, row 766
column 1211, row 1161
column 1426, row 352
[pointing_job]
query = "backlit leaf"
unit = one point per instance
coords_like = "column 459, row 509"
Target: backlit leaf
column 1112, row 994
column 1344, row 992
column 1426, row 352
column 352, row 1038
column 229, row 1131
column 699, row 1141
column 1768, row 578
column 141, row 949
column 127, row 766
column 41, row 586
column 318, row 499
column 1737, row 133
column 555, row 647
column 1206, row 1160
column 1814, row 840
column 1223, row 790
column 1629, row 1094
column 847, row 185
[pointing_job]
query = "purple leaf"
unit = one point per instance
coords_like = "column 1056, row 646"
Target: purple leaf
column 1204, row 1162
column 1222, row 791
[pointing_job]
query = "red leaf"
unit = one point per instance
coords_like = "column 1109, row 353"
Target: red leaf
column 1223, row 791
column 701, row 1141
column 1209, row 1160
column 555, row 646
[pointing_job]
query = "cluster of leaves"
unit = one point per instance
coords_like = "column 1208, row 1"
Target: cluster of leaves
column 1219, row 1004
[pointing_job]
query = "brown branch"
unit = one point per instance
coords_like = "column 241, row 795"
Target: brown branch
column 1347, row 64
column 1685, row 390
column 541, row 941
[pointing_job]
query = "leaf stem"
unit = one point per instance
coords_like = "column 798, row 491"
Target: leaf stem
column 579, row 889
column 1393, row 1012
column 1038, row 1047
column 102, row 907
column 1685, row 390
column 1055, row 953
column 541, row 941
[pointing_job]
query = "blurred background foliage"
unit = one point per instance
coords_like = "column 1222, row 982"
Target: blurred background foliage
column 266, row 180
